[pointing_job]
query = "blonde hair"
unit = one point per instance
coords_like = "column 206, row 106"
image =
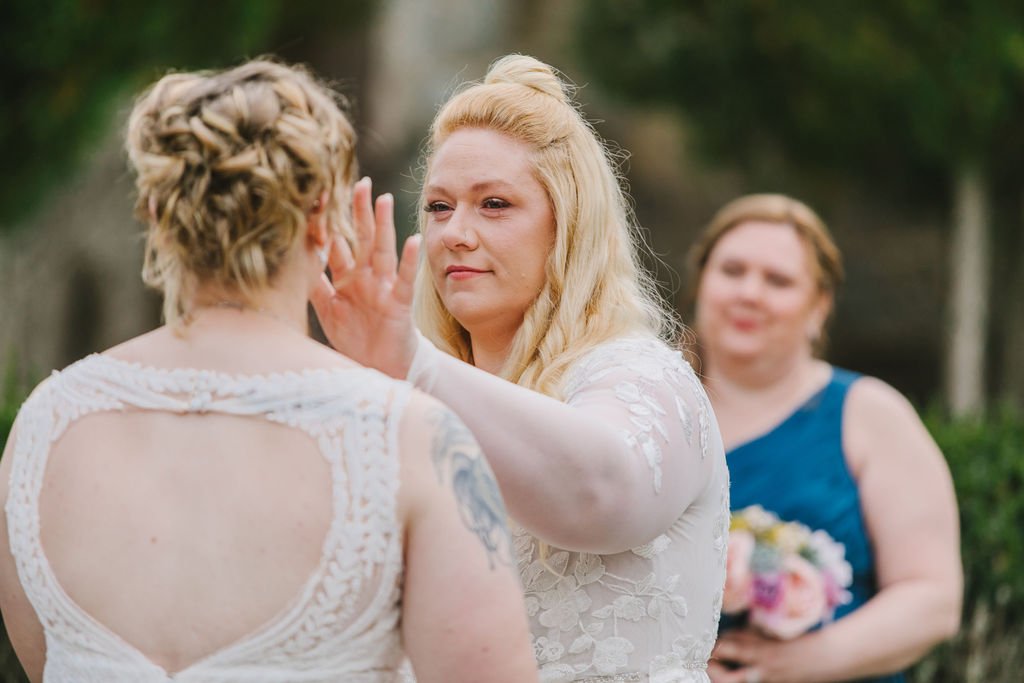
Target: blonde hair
column 596, row 288
column 228, row 164
column 827, row 261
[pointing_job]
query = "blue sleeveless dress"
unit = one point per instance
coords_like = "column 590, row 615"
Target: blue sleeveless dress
column 798, row 471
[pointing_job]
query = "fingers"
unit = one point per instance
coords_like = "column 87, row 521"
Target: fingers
column 321, row 298
column 405, row 283
column 362, row 216
column 723, row 675
column 384, row 256
column 340, row 260
column 728, row 650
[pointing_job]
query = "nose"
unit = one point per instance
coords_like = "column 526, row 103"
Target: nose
column 458, row 232
column 751, row 287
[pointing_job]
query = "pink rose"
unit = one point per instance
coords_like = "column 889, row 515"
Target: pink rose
column 738, row 577
column 802, row 601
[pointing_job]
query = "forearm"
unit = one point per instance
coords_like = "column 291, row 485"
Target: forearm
column 562, row 473
column 892, row 631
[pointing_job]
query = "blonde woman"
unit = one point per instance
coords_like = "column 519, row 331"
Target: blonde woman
column 223, row 499
column 823, row 446
column 542, row 332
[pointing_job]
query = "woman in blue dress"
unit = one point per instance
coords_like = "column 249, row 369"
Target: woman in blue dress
column 822, row 446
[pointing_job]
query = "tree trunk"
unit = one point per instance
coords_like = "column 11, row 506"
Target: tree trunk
column 968, row 292
column 1013, row 349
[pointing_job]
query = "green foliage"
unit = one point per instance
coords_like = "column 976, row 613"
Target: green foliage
column 12, row 393
column 65, row 62
column 873, row 89
column 987, row 462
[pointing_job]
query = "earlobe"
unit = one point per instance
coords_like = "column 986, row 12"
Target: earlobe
column 316, row 222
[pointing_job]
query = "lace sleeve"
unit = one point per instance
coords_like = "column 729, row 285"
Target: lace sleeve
column 605, row 471
column 654, row 401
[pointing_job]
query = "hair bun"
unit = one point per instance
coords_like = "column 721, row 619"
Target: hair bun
column 529, row 72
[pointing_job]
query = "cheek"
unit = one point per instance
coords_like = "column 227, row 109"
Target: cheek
column 791, row 306
column 433, row 248
column 712, row 294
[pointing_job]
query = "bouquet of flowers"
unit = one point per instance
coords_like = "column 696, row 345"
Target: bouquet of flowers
column 785, row 576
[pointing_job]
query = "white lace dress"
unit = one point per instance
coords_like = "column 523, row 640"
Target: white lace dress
column 342, row 626
column 649, row 614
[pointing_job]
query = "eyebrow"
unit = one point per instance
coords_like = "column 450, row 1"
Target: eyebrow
column 478, row 186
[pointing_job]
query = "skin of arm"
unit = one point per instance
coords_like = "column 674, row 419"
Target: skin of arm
column 23, row 627
column 567, row 472
column 910, row 510
column 463, row 613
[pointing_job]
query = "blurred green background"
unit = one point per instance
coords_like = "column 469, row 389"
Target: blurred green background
column 901, row 123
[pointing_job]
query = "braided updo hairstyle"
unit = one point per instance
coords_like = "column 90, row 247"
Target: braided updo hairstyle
column 228, row 166
column 596, row 288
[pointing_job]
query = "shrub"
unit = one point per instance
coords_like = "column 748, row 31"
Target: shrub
column 12, row 393
column 986, row 458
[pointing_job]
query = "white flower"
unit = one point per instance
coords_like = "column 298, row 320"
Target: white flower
column 611, row 654
column 562, row 606
column 791, row 537
column 581, row 644
column 693, row 649
column 831, row 555
column 759, row 519
column 546, row 650
column 629, row 607
column 532, row 606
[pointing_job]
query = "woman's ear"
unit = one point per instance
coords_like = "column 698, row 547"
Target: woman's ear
column 819, row 314
column 316, row 221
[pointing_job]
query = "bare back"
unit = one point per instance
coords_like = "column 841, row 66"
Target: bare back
column 188, row 521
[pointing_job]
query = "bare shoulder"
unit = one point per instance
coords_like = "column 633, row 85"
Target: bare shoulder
column 872, row 402
column 881, row 425
column 420, row 423
column 431, row 432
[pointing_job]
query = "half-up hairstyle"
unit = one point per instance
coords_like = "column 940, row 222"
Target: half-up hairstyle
column 228, row 165
column 596, row 288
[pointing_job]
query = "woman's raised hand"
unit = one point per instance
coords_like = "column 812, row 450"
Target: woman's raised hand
column 365, row 307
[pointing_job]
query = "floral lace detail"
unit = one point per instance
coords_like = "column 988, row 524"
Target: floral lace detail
column 650, row 613
column 349, row 415
column 653, row 364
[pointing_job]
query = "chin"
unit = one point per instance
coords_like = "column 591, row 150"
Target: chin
column 468, row 315
column 742, row 349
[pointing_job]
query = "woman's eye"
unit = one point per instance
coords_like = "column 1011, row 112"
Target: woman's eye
column 495, row 203
column 778, row 280
column 732, row 269
column 436, row 207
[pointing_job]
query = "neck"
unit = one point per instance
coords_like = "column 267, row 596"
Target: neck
column 730, row 378
column 273, row 305
column 490, row 351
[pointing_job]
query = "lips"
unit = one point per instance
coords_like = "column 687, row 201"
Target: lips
column 746, row 325
column 463, row 272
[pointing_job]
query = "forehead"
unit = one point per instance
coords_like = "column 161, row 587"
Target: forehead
column 480, row 156
column 777, row 245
